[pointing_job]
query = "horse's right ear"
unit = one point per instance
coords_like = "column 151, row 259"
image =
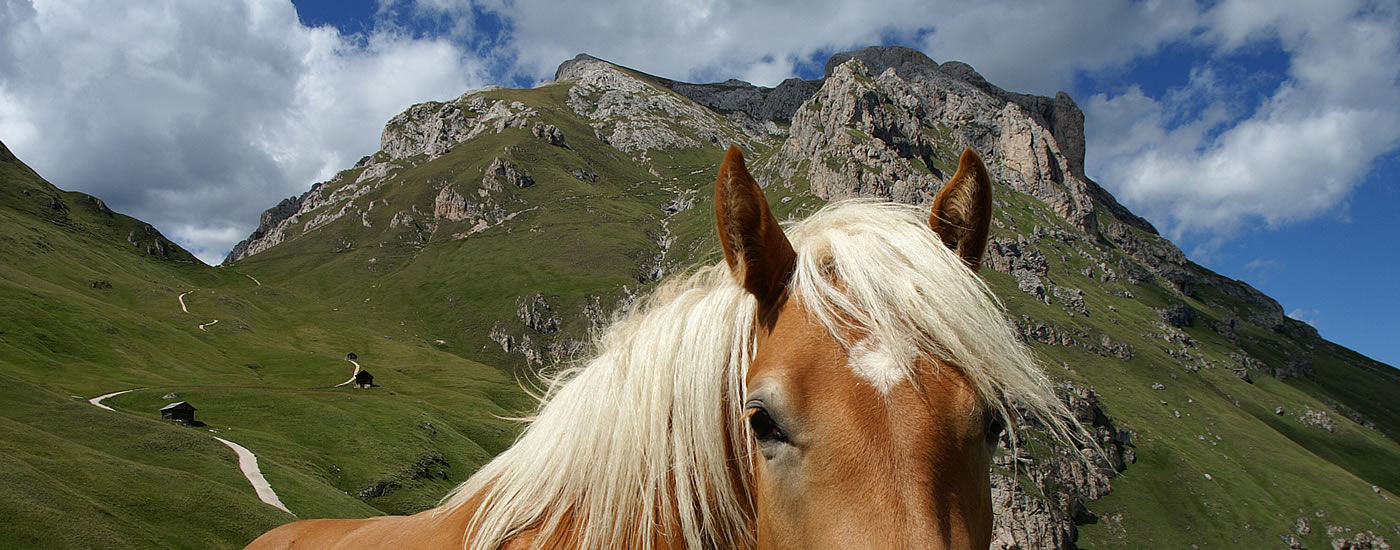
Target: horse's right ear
column 755, row 247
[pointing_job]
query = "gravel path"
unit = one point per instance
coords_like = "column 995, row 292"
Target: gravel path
column 97, row 401
column 248, row 463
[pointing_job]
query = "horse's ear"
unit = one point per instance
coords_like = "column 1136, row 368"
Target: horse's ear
column 962, row 211
column 758, row 253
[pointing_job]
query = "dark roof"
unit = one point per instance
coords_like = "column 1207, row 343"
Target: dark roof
column 363, row 374
column 178, row 405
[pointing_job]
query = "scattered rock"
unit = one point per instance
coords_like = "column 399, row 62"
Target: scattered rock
column 1071, row 298
column 100, row 284
column 1179, row 315
column 585, row 175
column 536, row 313
column 1033, row 330
column 1229, row 327
column 500, row 171
column 550, row 134
column 1317, row 419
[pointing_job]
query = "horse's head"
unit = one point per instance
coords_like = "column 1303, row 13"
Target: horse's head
column 869, row 433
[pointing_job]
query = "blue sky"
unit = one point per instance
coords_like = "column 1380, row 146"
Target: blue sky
column 1260, row 135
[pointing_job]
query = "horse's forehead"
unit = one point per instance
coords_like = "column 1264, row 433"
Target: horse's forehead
column 798, row 340
column 885, row 363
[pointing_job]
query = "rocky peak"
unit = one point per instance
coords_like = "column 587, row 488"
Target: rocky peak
column 907, row 62
column 777, row 104
column 434, row 128
column 868, row 134
column 574, row 68
column 633, row 114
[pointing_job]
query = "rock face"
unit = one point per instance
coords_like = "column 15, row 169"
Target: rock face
column 1025, row 522
column 756, row 102
column 322, row 204
column 893, row 130
column 635, row 116
column 549, row 133
column 433, row 128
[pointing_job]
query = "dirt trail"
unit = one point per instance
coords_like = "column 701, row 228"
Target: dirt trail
column 186, row 310
column 352, row 375
column 255, row 279
column 97, row 401
column 247, row 461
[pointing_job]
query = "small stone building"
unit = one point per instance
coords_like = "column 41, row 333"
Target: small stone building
column 364, row 379
column 179, row 412
column 351, row 356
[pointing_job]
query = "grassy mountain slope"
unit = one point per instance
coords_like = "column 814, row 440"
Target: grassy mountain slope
column 87, row 312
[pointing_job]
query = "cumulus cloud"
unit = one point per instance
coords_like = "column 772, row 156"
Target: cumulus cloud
column 1030, row 48
column 1299, row 154
column 1309, row 316
column 196, row 116
column 1036, row 47
column 709, row 40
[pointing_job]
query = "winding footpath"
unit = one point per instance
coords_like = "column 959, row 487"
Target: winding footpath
column 247, row 461
column 186, row 310
column 352, row 375
column 97, row 401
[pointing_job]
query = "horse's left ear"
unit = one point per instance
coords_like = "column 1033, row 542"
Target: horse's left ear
column 755, row 247
column 962, row 211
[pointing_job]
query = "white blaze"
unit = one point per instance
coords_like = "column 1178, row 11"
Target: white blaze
column 872, row 360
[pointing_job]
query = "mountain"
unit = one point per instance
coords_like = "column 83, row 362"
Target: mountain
column 492, row 234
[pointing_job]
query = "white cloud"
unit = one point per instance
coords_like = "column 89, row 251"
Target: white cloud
column 1035, row 47
column 197, row 116
column 1298, row 155
column 710, row 40
column 1024, row 47
column 1309, row 316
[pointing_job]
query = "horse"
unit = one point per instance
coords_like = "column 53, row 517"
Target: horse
column 842, row 383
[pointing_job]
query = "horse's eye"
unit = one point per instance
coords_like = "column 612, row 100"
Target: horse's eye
column 764, row 428
column 994, row 427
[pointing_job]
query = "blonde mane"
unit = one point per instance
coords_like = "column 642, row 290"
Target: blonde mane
column 645, row 436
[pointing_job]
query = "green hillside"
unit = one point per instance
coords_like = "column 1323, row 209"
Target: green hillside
column 89, row 313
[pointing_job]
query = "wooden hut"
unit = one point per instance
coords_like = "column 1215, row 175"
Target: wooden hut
column 351, row 356
column 364, row 379
column 179, row 412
